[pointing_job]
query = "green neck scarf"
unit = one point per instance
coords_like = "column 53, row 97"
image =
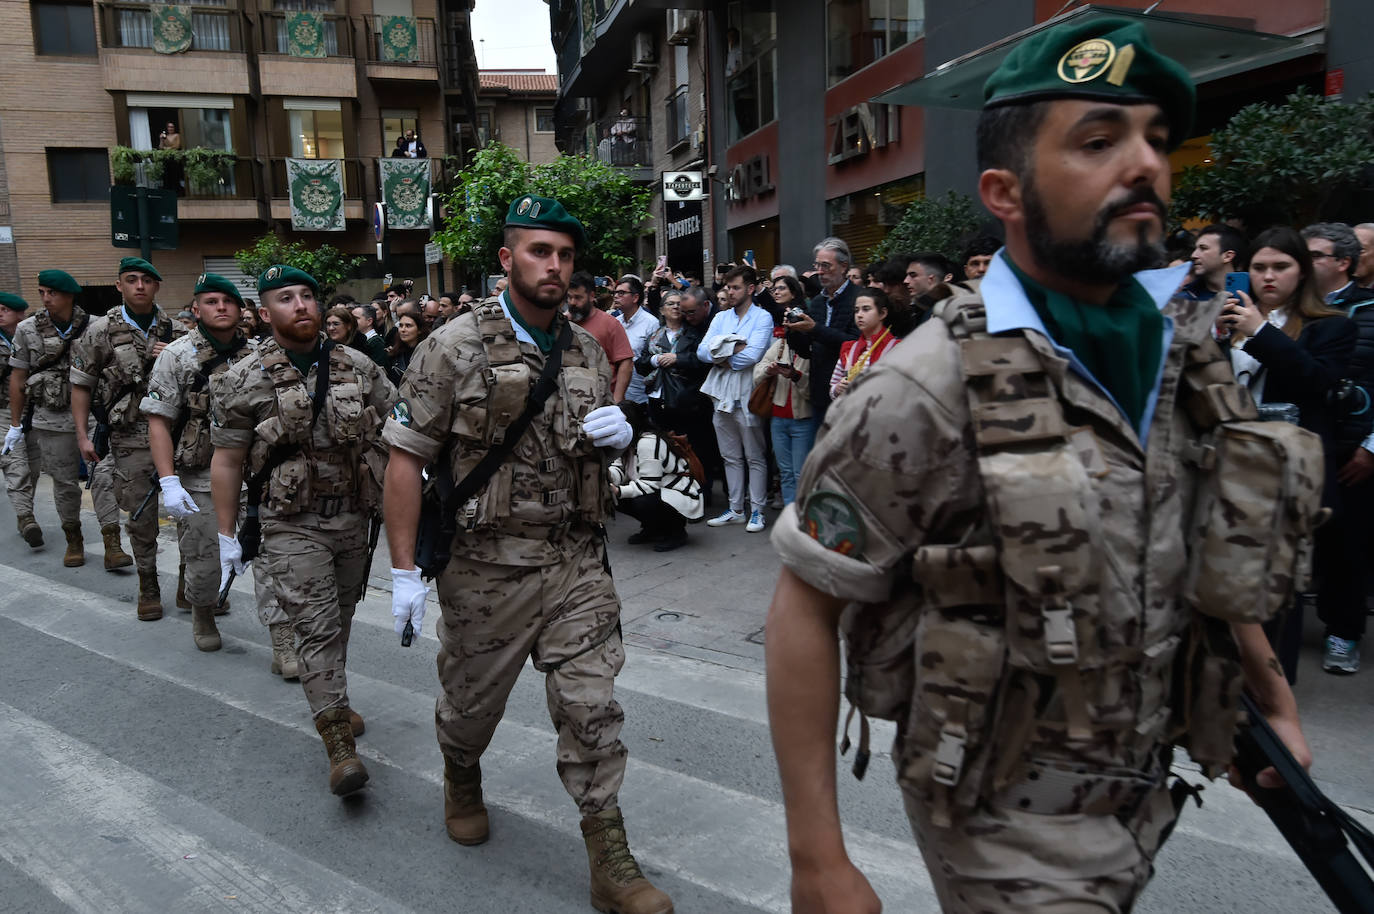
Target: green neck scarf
column 144, row 321
column 1119, row 343
column 215, row 344
column 544, row 339
column 303, row 360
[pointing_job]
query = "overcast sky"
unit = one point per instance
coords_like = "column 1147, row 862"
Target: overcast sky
column 516, row 34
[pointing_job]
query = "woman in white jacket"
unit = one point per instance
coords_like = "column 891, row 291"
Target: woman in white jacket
column 653, row 483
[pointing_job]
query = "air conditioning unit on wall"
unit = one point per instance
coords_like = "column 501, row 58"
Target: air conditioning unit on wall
column 680, row 25
column 644, row 57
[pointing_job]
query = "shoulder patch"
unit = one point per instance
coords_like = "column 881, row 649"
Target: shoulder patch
column 401, row 413
column 832, row 520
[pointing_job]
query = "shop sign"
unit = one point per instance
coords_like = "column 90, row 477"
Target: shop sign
column 751, row 178
column 863, row 128
column 684, row 230
column 683, row 185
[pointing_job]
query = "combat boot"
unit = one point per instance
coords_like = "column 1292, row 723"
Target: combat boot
column 346, row 771
column 465, row 816
column 149, row 597
column 29, row 530
column 355, row 723
column 618, row 885
column 115, row 557
column 76, row 546
column 286, row 663
column 182, row 602
column 203, row 630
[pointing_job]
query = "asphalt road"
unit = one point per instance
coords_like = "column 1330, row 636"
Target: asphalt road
column 139, row 775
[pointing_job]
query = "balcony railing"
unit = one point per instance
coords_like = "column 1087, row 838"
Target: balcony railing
column 426, row 45
column 679, row 124
column 130, row 25
column 239, row 179
column 624, row 141
column 358, row 177
column 338, row 34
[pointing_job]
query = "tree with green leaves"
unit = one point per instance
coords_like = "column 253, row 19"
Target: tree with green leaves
column 938, row 224
column 609, row 204
column 1288, row 164
column 326, row 263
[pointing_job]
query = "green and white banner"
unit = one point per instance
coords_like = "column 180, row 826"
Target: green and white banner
column 405, row 190
column 399, row 41
column 171, row 29
column 317, row 194
column 305, row 34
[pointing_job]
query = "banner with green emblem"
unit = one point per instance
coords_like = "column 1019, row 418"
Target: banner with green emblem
column 399, row 40
column 317, row 194
column 305, row 34
column 405, row 190
column 171, row 29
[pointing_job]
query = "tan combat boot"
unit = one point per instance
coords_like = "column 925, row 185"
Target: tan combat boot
column 182, row 602
column 29, row 530
column 203, row 630
column 149, row 597
column 355, row 723
column 286, row 663
column 346, row 771
column 618, row 886
column 76, row 546
column 115, row 557
column 465, row 816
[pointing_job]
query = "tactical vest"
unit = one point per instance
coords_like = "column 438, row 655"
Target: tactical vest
column 555, row 475
column 49, row 384
column 194, row 449
column 342, row 475
column 1026, row 631
column 124, row 379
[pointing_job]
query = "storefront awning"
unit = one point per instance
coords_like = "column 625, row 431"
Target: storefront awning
column 1208, row 50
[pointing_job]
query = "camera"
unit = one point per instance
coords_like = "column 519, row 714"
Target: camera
column 792, row 315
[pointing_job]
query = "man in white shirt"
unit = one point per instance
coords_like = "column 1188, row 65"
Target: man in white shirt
column 735, row 341
column 639, row 326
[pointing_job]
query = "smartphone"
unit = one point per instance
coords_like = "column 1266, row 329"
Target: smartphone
column 749, row 258
column 683, row 284
column 662, row 261
column 1238, row 282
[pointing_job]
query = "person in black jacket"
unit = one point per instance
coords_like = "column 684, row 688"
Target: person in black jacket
column 694, row 408
column 829, row 323
column 374, row 344
column 1288, row 346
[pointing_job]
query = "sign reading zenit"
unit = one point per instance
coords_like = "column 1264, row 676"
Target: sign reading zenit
column 683, row 185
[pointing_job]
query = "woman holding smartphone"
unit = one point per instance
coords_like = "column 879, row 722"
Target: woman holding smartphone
column 1287, row 346
column 788, row 360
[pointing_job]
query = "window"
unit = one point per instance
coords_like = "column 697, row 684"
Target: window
column 861, row 31
column 202, row 120
column 209, row 30
column 750, row 65
column 331, row 27
column 483, row 127
column 543, row 120
column 79, row 175
column 64, row 28
column 395, row 123
column 317, row 134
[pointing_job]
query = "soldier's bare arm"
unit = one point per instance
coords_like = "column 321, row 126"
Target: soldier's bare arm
column 18, row 377
column 401, row 505
column 1266, row 683
column 802, row 651
column 160, row 444
column 81, row 411
column 623, row 370
column 226, row 480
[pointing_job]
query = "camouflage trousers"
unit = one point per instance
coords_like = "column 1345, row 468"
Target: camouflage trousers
column 44, row 451
column 1000, row 859
column 102, row 491
column 316, row 571
column 198, row 540
column 566, row 618
column 134, row 476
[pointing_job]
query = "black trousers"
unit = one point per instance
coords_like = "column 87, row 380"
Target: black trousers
column 1342, row 562
column 654, row 516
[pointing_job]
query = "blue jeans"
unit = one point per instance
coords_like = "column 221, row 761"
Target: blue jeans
column 792, row 441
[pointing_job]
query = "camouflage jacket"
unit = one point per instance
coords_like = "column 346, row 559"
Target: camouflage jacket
column 36, row 339
column 113, row 358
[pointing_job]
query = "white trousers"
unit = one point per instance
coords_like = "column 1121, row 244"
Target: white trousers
column 741, row 440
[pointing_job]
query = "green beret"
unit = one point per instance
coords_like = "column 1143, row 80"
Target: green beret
column 531, row 211
column 59, row 281
column 13, row 302
column 213, row 282
column 138, row 265
column 1109, row 60
column 279, row 275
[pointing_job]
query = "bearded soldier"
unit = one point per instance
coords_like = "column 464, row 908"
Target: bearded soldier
column 305, row 415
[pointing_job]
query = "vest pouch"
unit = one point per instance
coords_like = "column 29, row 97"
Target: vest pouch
column 269, row 432
column 1048, row 555
column 509, row 387
column 288, row 488
column 470, row 424
column 194, row 448
column 880, row 659
column 344, row 413
column 594, row 500
column 578, row 398
column 1208, row 679
column 49, row 389
column 493, row 501
column 1257, row 509
column 370, row 477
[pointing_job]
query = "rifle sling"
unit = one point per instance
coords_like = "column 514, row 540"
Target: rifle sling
column 102, row 410
column 281, row 452
column 202, row 378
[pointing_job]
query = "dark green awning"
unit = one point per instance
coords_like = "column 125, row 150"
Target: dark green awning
column 1208, row 50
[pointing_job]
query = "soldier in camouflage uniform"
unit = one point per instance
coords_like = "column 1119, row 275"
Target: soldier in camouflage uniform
column 40, row 398
column 110, row 366
column 998, row 519
column 178, row 410
column 305, row 416
column 527, row 578
column 19, row 472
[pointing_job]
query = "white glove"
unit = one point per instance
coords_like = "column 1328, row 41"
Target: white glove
column 176, row 499
column 408, row 593
column 230, row 559
column 12, row 438
column 608, row 427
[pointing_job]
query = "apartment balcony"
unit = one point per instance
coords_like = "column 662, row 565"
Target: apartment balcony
column 236, row 193
column 216, row 61
column 360, row 187
column 424, row 68
column 625, row 142
column 284, row 70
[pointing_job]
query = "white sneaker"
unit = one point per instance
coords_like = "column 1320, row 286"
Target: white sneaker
column 728, row 516
column 755, row 522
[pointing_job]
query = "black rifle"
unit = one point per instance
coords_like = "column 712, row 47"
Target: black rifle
column 374, row 529
column 1319, row 830
column 441, row 498
column 147, row 499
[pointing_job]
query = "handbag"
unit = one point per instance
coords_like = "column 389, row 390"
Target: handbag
column 761, row 400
